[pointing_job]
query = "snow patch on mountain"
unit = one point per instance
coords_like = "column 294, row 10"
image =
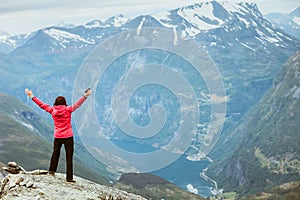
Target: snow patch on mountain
column 297, row 93
column 194, row 18
column 65, row 37
column 116, row 21
column 175, row 36
column 205, row 16
column 5, row 38
column 140, row 26
column 95, row 24
column 201, row 14
column 247, row 46
column 164, row 19
column 9, row 42
column 271, row 37
column 119, row 20
column 296, row 20
column 230, row 7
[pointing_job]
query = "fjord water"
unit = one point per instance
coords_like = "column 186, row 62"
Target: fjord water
column 181, row 172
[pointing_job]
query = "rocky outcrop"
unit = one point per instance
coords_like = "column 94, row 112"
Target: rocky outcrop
column 14, row 168
column 25, row 186
column 37, row 184
column 266, row 149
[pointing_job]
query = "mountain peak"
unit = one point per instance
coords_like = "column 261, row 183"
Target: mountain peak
column 95, row 23
column 117, row 21
column 207, row 16
column 64, row 24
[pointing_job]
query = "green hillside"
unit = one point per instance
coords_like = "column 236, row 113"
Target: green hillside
column 268, row 151
column 153, row 187
column 25, row 140
column 286, row 191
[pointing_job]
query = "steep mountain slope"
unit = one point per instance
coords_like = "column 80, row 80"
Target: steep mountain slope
column 24, row 139
column 287, row 191
column 248, row 51
column 290, row 23
column 152, row 187
column 268, row 153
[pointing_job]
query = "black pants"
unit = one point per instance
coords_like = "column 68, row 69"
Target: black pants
column 69, row 148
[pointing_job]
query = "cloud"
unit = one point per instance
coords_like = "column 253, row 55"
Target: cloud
column 18, row 6
column 25, row 16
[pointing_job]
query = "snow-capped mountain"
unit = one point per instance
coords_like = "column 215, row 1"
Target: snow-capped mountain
column 64, row 24
column 9, row 42
column 63, row 38
column 201, row 18
column 190, row 21
column 115, row 21
column 197, row 18
column 290, row 23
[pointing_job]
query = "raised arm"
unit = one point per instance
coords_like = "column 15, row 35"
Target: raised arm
column 41, row 104
column 77, row 104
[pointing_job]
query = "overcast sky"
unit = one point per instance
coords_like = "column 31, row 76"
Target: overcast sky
column 21, row 16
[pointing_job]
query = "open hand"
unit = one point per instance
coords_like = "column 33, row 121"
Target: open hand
column 88, row 92
column 29, row 92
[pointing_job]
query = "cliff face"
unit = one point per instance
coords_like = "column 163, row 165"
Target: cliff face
column 268, row 152
column 24, row 186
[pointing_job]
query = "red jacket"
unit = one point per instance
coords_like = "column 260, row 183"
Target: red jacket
column 61, row 115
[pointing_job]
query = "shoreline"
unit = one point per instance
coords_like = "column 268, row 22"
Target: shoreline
column 214, row 189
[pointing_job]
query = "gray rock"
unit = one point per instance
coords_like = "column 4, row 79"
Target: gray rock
column 29, row 184
column 49, row 187
column 22, row 183
column 12, row 184
column 21, row 179
column 38, row 185
column 12, row 164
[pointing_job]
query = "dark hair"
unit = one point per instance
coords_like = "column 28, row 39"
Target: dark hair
column 60, row 100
